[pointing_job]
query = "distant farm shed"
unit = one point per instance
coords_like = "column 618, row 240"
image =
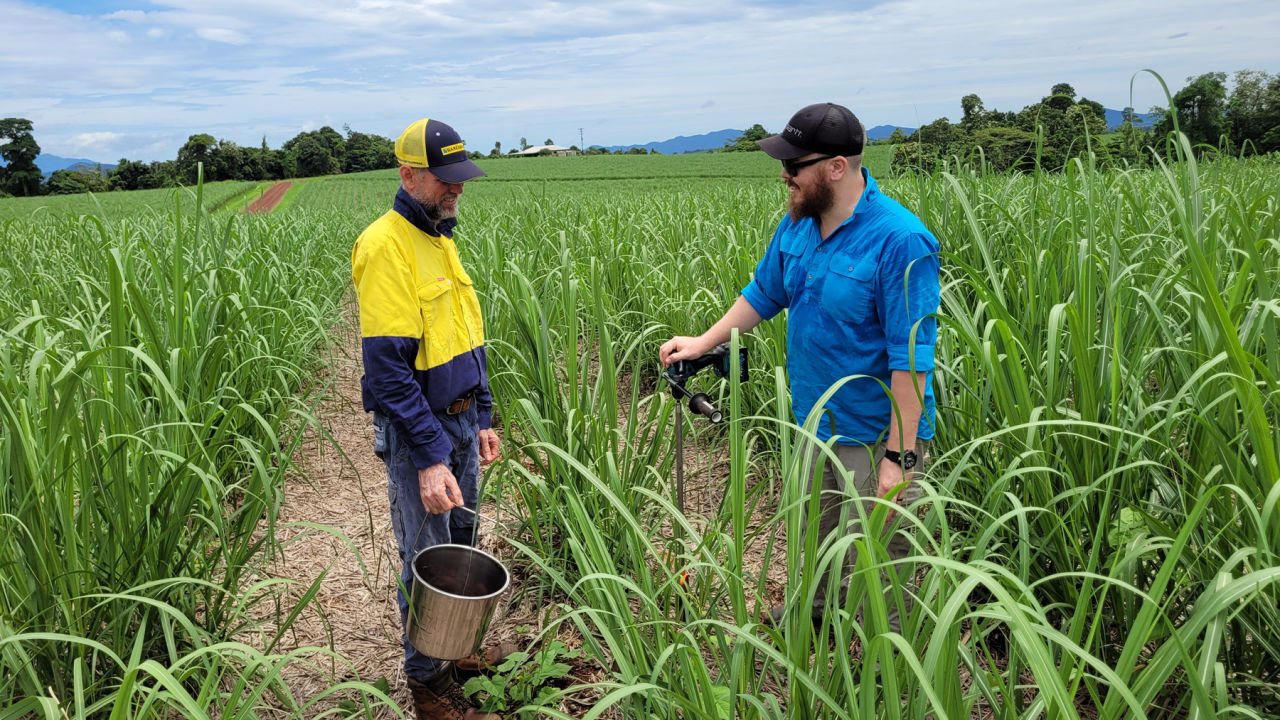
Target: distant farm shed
column 545, row 150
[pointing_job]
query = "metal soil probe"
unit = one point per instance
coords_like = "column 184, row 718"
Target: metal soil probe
column 677, row 376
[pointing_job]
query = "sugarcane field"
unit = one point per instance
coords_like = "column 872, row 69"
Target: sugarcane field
column 894, row 360
column 196, row 528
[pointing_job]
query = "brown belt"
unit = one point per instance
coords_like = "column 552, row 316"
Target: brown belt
column 460, row 405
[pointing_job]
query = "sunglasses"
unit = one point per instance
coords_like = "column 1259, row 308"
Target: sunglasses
column 793, row 167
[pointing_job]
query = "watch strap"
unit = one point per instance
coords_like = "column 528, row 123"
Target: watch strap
column 905, row 460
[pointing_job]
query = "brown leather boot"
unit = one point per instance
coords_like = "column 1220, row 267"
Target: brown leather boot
column 441, row 699
column 483, row 662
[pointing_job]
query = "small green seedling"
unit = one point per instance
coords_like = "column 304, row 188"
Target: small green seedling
column 522, row 680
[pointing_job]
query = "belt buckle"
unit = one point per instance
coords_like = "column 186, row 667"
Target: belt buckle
column 460, row 405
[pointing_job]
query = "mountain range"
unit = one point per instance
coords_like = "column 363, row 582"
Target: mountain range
column 49, row 163
column 1144, row 121
column 684, row 143
column 718, row 139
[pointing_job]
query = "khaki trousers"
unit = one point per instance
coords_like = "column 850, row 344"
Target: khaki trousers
column 838, row 511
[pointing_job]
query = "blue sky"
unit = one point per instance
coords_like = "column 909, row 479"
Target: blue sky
column 105, row 80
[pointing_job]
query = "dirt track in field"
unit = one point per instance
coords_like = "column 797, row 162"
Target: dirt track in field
column 341, row 484
column 269, row 199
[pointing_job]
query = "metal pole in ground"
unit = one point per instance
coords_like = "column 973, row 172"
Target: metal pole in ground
column 679, row 462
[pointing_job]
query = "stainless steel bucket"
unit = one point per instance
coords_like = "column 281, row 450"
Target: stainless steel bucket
column 455, row 589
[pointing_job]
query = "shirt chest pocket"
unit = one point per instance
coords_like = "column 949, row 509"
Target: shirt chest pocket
column 435, row 302
column 848, row 293
column 793, row 272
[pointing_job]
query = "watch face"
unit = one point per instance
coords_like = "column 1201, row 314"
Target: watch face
column 908, row 460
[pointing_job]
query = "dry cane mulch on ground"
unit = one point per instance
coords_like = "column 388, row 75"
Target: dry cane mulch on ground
column 342, row 485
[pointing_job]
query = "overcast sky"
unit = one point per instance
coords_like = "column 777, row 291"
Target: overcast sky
column 135, row 78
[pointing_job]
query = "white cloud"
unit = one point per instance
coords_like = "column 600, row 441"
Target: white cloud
column 86, row 142
column 133, row 16
column 223, row 35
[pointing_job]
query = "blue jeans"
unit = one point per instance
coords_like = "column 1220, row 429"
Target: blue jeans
column 415, row 528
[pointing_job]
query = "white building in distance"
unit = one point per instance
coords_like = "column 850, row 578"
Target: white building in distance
column 550, row 150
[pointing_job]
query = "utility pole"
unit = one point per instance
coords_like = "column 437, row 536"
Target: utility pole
column 581, row 147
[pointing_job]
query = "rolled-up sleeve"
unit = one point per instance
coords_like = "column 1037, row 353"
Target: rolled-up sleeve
column 909, row 294
column 767, row 293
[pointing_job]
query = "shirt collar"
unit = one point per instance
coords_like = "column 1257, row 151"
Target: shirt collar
column 869, row 193
column 417, row 216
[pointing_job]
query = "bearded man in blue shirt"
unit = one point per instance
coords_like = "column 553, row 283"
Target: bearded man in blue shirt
column 858, row 275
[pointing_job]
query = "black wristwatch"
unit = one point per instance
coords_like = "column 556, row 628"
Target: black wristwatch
column 906, row 459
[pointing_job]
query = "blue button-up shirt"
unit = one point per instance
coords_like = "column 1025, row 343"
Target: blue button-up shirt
column 859, row 303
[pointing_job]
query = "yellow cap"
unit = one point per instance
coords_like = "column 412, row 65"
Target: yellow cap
column 432, row 144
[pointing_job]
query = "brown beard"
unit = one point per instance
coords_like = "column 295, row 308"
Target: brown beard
column 814, row 201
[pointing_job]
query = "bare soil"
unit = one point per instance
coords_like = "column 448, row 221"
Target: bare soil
column 269, row 199
column 342, row 486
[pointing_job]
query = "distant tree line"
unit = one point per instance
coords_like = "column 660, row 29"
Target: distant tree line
column 598, row 150
column 1054, row 129
column 1245, row 120
column 307, row 154
column 747, row 141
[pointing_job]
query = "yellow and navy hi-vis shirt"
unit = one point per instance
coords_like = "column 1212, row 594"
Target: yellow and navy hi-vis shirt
column 420, row 326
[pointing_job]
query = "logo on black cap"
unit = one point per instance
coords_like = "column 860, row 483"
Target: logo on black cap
column 824, row 128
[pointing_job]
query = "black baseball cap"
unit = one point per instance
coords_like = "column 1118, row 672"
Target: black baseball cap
column 824, row 128
column 437, row 147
